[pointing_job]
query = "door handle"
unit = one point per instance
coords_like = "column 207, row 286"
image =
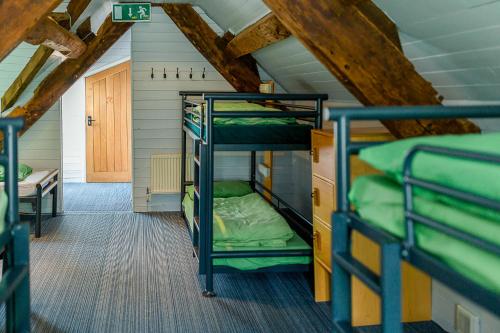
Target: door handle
column 89, row 121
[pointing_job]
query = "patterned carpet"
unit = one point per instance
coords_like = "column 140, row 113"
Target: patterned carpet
column 97, row 197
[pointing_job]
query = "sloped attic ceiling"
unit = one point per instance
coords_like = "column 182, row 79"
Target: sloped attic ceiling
column 452, row 43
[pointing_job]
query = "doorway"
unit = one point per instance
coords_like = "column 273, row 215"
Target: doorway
column 108, row 125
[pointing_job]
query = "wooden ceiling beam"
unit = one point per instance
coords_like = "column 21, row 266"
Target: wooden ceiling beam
column 49, row 33
column 39, row 58
column 17, row 21
column 241, row 72
column 264, row 32
column 67, row 73
column 356, row 49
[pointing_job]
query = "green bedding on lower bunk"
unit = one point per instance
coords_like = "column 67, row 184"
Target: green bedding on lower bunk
column 379, row 200
column 3, row 209
column 247, row 223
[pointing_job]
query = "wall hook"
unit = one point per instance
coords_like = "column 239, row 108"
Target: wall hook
column 152, row 73
column 177, row 75
column 203, row 75
column 191, row 73
column 164, row 73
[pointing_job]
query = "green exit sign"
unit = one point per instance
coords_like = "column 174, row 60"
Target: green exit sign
column 132, row 12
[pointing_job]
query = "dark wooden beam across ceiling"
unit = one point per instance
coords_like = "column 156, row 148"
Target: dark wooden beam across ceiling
column 49, row 33
column 264, row 32
column 39, row 58
column 351, row 39
column 68, row 72
column 17, row 21
column 241, row 73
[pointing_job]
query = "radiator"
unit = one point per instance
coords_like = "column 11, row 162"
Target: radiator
column 166, row 173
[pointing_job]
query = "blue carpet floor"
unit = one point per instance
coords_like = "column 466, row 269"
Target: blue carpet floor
column 97, row 197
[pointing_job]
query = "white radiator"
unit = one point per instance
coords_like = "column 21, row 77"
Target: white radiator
column 166, row 172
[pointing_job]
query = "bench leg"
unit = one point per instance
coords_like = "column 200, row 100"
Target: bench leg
column 38, row 214
column 54, row 201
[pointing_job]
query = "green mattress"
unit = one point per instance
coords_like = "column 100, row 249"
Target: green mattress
column 379, row 200
column 3, row 209
column 249, row 223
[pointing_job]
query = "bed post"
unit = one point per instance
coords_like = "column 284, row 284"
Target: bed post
column 38, row 211
column 183, row 152
column 209, row 206
column 319, row 117
column 341, row 242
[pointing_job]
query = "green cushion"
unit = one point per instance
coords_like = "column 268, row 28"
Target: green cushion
column 226, row 189
column 3, row 209
column 465, row 175
column 379, row 200
column 23, row 173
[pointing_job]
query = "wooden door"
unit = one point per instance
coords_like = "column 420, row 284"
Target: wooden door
column 108, row 123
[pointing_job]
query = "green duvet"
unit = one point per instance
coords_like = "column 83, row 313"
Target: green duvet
column 3, row 209
column 247, row 107
column 247, row 223
column 379, row 200
column 465, row 175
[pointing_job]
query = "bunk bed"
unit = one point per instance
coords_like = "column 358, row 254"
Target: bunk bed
column 433, row 207
column 226, row 121
column 14, row 237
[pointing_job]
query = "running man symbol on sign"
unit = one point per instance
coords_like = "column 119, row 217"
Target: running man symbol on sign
column 142, row 12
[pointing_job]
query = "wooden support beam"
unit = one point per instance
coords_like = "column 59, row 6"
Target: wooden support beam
column 241, row 73
column 17, row 21
column 49, row 33
column 39, row 58
column 353, row 44
column 266, row 31
column 68, row 72
column 25, row 77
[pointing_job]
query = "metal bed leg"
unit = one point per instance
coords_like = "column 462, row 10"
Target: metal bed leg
column 54, row 199
column 390, row 282
column 341, row 279
column 38, row 213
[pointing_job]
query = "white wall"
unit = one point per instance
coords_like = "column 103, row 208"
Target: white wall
column 73, row 112
column 156, row 106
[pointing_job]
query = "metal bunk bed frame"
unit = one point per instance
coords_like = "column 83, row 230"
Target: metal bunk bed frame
column 204, row 164
column 393, row 250
column 14, row 284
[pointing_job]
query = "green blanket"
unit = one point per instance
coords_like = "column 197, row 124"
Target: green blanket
column 466, row 175
column 246, row 107
column 23, row 172
column 379, row 200
column 3, row 209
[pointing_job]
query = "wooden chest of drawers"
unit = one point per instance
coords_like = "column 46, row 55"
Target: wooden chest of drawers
column 365, row 304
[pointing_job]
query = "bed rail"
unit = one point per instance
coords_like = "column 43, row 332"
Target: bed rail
column 14, row 239
column 388, row 285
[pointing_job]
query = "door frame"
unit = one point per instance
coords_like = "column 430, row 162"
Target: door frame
column 89, row 161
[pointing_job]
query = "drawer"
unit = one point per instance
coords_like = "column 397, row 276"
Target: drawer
column 322, row 244
column 322, row 155
column 323, row 196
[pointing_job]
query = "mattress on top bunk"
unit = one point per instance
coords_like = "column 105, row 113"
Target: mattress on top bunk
column 254, row 133
column 466, row 175
column 27, row 187
column 379, row 200
column 272, row 241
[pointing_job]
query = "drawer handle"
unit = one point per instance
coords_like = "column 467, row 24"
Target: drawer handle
column 315, row 155
column 315, row 196
column 317, row 240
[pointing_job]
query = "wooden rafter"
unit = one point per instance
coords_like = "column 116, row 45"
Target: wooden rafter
column 241, row 73
column 265, row 32
column 68, row 72
column 49, row 33
column 354, row 45
column 39, row 58
column 17, row 21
